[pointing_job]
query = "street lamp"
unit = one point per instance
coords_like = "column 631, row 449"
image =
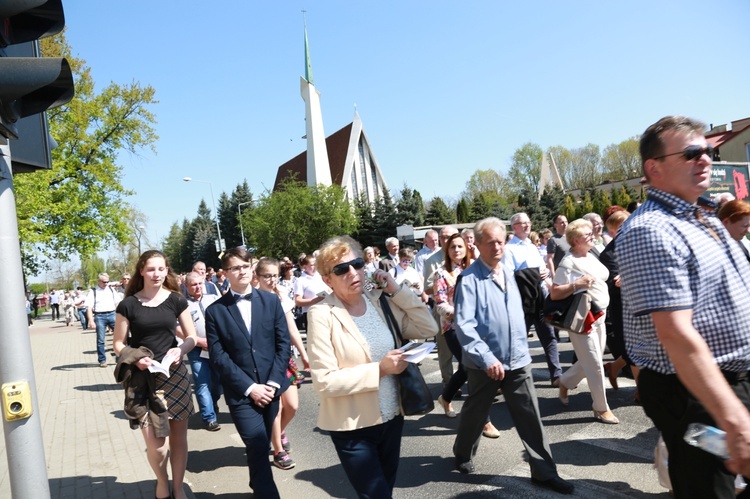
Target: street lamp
column 242, row 231
column 216, row 213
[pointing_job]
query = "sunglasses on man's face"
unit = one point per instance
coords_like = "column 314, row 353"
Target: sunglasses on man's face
column 343, row 268
column 691, row 153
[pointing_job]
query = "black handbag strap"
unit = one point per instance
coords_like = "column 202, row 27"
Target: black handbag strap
column 390, row 320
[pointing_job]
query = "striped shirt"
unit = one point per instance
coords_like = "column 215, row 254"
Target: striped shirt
column 672, row 259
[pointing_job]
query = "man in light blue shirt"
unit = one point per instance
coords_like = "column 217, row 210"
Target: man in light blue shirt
column 491, row 329
column 529, row 269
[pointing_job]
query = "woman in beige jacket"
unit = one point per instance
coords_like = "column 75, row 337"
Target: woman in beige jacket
column 354, row 362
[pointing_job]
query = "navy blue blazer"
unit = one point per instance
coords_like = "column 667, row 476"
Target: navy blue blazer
column 242, row 359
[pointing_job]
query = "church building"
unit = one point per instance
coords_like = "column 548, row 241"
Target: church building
column 343, row 158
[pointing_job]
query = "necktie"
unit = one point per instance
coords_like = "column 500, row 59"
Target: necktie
column 248, row 296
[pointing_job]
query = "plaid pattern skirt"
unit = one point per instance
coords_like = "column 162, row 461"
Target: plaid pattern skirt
column 177, row 391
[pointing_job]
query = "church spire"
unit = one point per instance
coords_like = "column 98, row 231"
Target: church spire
column 308, row 63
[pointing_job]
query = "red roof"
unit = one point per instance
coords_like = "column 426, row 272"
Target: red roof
column 720, row 138
column 337, row 144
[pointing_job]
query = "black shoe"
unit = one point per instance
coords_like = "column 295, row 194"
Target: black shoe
column 458, row 394
column 213, row 426
column 555, row 483
column 465, row 467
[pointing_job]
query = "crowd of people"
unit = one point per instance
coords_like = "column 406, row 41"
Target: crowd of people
column 663, row 287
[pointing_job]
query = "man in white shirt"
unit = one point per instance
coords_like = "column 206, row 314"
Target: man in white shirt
column 54, row 303
column 523, row 259
column 101, row 303
column 430, row 247
column 309, row 289
column 206, row 381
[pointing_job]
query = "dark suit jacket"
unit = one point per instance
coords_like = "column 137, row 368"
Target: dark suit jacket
column 387, row 263
column 242, row 359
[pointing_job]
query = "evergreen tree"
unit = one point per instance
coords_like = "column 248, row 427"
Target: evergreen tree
column 203, row 236
column 463, row 213
column 385, row 219
column 186, row 246
column 620, row 197
column 364, row 213
column 409, row 209
column 551, row 203
column 172, row 248
column 586, row 206
column 439, row 213
column 570, row 208
column 601, row 201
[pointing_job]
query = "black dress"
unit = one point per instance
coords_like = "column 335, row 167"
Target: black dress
column 154, row 328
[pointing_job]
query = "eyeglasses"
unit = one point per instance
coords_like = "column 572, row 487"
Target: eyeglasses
column 691, row 153
column 343, row 268
column 237, row 268
column 587, row 234
column 407, row 262
column 268, row 276
column 104, row 282
column 522, row 223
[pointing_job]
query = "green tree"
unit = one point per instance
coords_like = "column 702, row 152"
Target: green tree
column 364, row 214
column 186, row 250
column 601, row 201
column 297, row 218
column 525, row 169
column 76, row 207
column 172, row 248
column 483, row 205
column 385, row 219
column 551, row 203
column 620, row 196
column 409, row 208
column 622, row 161
column 439, row 213
column 569, row 210
column 229, row 213
column 463, row 213
column 483, row 181
column 586, row 205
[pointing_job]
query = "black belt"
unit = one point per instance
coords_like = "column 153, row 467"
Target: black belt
column 110, row 312
column 733, row 377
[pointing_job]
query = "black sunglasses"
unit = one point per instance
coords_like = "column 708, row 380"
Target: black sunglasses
column 343, row 268
column 692, row 152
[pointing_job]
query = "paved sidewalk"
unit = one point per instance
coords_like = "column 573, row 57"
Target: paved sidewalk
column 91, row 451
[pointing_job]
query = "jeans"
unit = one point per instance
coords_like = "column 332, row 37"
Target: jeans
column 206, row 384
column 102, row 321
column 83, row 318
column 370, row 457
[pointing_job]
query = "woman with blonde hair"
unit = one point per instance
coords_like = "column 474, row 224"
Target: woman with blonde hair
column 354, row 360
column 581, row 271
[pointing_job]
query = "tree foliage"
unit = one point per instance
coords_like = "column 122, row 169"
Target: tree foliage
column 409, row 207
column 439, row 213
column 297, row 218
column 525, row 169
column 77, row 206
column 622, row 161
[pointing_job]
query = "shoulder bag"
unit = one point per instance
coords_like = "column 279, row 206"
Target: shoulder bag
column 416, row 398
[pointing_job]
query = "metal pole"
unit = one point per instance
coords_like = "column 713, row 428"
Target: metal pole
column 242, row 231
column 24, row 446
column 216, row 215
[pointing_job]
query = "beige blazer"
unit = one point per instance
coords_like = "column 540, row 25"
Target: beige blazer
column 343, row 372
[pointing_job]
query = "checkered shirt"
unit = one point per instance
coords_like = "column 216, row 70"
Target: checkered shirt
column 669, row 260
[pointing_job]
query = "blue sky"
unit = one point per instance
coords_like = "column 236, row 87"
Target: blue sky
column 443, row 88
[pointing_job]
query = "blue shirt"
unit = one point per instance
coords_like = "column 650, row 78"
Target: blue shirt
column 489, row 319
column 670, row 260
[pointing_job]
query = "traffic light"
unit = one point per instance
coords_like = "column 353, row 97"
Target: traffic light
column 30, row 85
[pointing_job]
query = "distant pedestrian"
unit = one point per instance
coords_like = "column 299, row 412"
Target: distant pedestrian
column 35, row 305
column 28, row 310
column 100, row 310
column 54, row 303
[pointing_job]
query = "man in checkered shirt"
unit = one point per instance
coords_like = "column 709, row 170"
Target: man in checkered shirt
column 687, row 310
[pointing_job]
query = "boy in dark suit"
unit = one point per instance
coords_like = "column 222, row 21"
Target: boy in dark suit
column 249, row 347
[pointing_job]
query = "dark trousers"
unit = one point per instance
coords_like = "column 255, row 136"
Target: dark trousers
column 254, row 424
column 520, row 397
column 548, row 339
column 693, row 471
column 55, row 310
column 458, row 378
column 370, row 457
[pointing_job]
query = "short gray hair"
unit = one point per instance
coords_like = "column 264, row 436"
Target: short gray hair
column 391, row 240
column 486, row 224
column 103, row 276
column 193, row 276
column 515, row 217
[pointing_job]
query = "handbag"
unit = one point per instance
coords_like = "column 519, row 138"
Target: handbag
column 416, row 398
column 570, row 314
